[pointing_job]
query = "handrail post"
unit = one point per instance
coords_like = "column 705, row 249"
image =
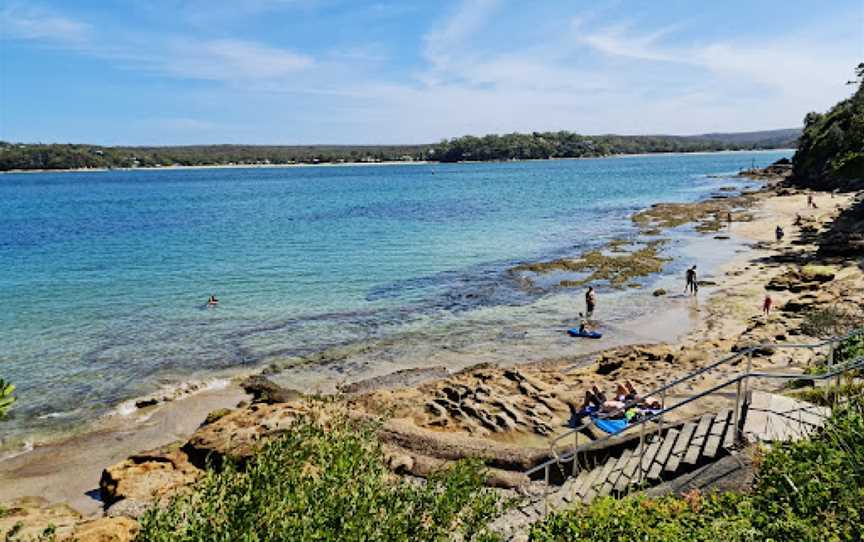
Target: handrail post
column 575, row 456
column 737, row 412
column 546, row 491
column 662, row 409
column 641, row 452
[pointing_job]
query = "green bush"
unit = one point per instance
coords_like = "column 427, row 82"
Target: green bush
column 325, row 484
column 6, row 397
column 808, row 490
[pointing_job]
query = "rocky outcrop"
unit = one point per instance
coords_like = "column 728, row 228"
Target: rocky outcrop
column 397, row 379
column 130, row 486
column 807, row 278
column 112, row 529
column 238, row 434
column 759, row 335
column 34, row 515
column 264, row 390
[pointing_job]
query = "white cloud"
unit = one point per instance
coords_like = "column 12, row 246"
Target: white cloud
column 445, row 45
column 580, row 75
column 30, row 22
column 231, row 60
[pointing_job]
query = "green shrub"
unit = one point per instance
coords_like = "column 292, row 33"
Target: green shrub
column 325, row 484
column 6, row 397
column 807, row 490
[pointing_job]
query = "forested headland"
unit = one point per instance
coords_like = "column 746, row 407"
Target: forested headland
column 831, row 149
column 515, row 146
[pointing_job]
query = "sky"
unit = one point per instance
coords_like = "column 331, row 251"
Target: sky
column 167, row 72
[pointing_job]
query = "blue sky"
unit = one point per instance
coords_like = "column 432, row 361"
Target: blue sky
column 352, row 71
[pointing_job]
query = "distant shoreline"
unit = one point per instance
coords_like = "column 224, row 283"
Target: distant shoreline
column 387, row 163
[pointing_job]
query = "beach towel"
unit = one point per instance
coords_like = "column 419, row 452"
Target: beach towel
column 610, row 426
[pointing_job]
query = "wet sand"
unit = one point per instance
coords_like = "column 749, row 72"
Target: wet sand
column 68, row 471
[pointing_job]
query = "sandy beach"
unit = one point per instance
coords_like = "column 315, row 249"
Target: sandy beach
column 540, row 395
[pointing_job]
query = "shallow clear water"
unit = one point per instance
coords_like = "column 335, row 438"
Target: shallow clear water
column 104, row 275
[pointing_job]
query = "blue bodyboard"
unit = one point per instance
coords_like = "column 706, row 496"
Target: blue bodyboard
column 574, row 332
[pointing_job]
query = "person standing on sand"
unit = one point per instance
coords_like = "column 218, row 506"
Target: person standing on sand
column 590, row 302
column 778, row 232
column 766, row 305
column 691, row 287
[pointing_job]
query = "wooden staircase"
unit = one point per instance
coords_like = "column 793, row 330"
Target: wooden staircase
column 662, row 456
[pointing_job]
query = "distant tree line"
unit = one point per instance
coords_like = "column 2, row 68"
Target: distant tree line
column 536, row 145
column 14, row 156
column 544, row 145
column 831, row 149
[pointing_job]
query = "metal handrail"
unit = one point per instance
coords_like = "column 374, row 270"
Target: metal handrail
column 839, row 369
column 740, row 378
column 690, row 376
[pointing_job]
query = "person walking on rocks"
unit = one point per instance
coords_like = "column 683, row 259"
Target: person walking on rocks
column 766, row 305
column 590, row 302
column 691, row 287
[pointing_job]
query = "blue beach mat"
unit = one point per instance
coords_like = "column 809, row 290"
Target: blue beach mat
column 610, row 426
column 574, row 332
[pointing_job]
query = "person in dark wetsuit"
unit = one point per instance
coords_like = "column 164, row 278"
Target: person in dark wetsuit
column 691, row 286
column 590, row 302
column 778, row 233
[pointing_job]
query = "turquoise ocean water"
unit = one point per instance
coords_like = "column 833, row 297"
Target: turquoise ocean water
column 104, row 275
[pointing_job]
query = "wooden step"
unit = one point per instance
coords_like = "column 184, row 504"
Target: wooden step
column 663, row 454
column 731, row 431
column 570, row 485
column 648, row 459
column 613, row 475
column 697, row 443
column 718, row 430
column 605, row 471
column 629, row 470
column 680, row 447
column 583, row 488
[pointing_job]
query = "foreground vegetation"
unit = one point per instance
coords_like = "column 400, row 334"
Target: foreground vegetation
column 319, row 483
column 15, row 156
column 831, row 148
column 809, row 490
column 6, row 398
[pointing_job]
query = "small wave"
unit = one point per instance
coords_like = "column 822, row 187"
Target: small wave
column 172, row 392
column 58, row 415
column 26, row 447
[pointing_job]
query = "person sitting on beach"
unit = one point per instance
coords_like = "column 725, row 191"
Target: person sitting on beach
column 583, row 325
column 595, row 401
column 631, row 392
column 622, row 394
column 590, row 302
column 212, row 300
column 593, row 397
